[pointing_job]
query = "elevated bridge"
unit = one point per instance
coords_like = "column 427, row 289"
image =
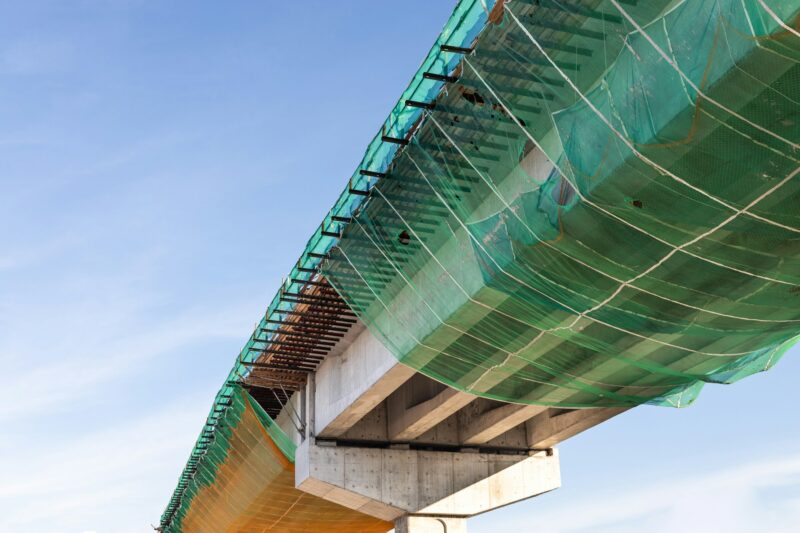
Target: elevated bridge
column 576, row 207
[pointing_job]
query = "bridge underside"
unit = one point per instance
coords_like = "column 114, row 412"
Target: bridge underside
column 577, row 207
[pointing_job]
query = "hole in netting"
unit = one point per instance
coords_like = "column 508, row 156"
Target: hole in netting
column 473, row 97
column 404, row 238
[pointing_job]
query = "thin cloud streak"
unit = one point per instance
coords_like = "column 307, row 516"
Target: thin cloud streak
column 71, row 484
column 62, row 383
column 742, row 499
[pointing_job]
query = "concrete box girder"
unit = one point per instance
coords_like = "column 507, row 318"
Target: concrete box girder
column 353, row 383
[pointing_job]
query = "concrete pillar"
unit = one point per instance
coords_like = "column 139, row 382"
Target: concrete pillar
column 430, row 524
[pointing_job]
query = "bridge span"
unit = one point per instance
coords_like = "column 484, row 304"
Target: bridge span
column 576, row 207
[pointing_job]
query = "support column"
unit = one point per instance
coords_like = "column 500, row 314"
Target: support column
column 430, row 524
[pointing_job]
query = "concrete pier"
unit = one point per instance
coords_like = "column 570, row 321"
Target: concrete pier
column 379, row 438
column 393, row 483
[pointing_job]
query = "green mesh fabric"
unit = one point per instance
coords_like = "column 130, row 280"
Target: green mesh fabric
column 603, row 210
column 467, row 20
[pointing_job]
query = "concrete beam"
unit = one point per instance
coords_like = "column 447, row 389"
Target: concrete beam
column 389, row 483
column 556, row 425
column 406, row 424
column 353, row 383
column 497, row 421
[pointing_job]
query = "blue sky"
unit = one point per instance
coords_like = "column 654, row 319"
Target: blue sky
column 162, row 164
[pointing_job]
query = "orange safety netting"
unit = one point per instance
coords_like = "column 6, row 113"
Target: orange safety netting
column 245, row 483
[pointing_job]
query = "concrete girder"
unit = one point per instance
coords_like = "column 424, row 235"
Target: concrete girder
column 497, row 421
column 406, row 424
column 547, row 429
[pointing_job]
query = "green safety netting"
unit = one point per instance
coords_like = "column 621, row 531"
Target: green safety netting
column 601, row 209
column 467, row 20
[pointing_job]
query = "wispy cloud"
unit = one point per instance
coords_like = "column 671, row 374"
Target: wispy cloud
column 38, row 56
column 71, row 483
column 66, row 335
column 62, row 382
column 763, row 495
